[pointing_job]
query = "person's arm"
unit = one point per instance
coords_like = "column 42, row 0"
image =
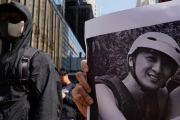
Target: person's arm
column 68, row 99
column 44, row 78
column 59, row 88
column 177, row 118
column 107, row 104
column 172, row 111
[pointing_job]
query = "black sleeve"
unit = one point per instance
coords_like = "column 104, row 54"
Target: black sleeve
column 69, row 99
column 59, row 88
column 44, row 79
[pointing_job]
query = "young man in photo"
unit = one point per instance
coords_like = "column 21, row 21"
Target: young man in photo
column 152, row 60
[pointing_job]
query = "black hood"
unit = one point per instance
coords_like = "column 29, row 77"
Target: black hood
column 25, row 38
column 10, row 59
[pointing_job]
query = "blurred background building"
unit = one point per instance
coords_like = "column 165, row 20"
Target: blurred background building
column 76, row 13
column 148, row 2
column 94, row 6
column 61, row 6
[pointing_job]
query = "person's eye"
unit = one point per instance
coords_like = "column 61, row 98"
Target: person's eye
column 151, row 58
column 14, row 20
column 167, row 64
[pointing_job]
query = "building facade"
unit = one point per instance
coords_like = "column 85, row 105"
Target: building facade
column 148, row 2
column 61, row 6
column 76, row 13
column 51, row 33
column 94, row 7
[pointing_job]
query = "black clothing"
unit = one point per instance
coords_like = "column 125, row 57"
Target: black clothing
column 41, row 102
column 149, row 110
column 69, row 110
column 173, row 84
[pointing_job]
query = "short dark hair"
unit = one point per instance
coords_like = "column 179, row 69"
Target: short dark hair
column 62, row 72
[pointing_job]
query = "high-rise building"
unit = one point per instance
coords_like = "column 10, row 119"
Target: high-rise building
column 145, row 2
column 148, row 2
column 94, row 6
column 76, row 13
column 61, row 6
column 153, row 1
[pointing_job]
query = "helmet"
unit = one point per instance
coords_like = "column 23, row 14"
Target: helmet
column 157, row 41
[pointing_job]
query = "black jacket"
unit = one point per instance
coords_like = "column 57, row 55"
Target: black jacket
column 15, row 103
column 125, row 102
column 70, row 109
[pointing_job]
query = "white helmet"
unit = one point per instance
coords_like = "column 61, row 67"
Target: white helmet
column 158, row 41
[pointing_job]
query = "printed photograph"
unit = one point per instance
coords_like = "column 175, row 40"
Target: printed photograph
column 133, row 71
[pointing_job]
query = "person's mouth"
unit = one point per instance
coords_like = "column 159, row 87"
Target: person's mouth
column 154, row 77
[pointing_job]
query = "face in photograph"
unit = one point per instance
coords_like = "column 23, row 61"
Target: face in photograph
column 152, row 68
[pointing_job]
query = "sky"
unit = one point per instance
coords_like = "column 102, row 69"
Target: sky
column 109, row 6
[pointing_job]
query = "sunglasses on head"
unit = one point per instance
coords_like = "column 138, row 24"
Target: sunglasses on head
column 12, row 15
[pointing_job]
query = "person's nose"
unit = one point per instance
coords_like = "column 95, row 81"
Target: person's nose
column 157, row 67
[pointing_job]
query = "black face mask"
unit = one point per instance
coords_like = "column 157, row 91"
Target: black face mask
column 10, row 28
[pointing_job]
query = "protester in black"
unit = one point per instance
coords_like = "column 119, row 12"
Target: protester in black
column 38, row 99
column 69, row 107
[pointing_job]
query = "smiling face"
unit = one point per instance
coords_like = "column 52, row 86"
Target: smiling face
column 152, row 68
